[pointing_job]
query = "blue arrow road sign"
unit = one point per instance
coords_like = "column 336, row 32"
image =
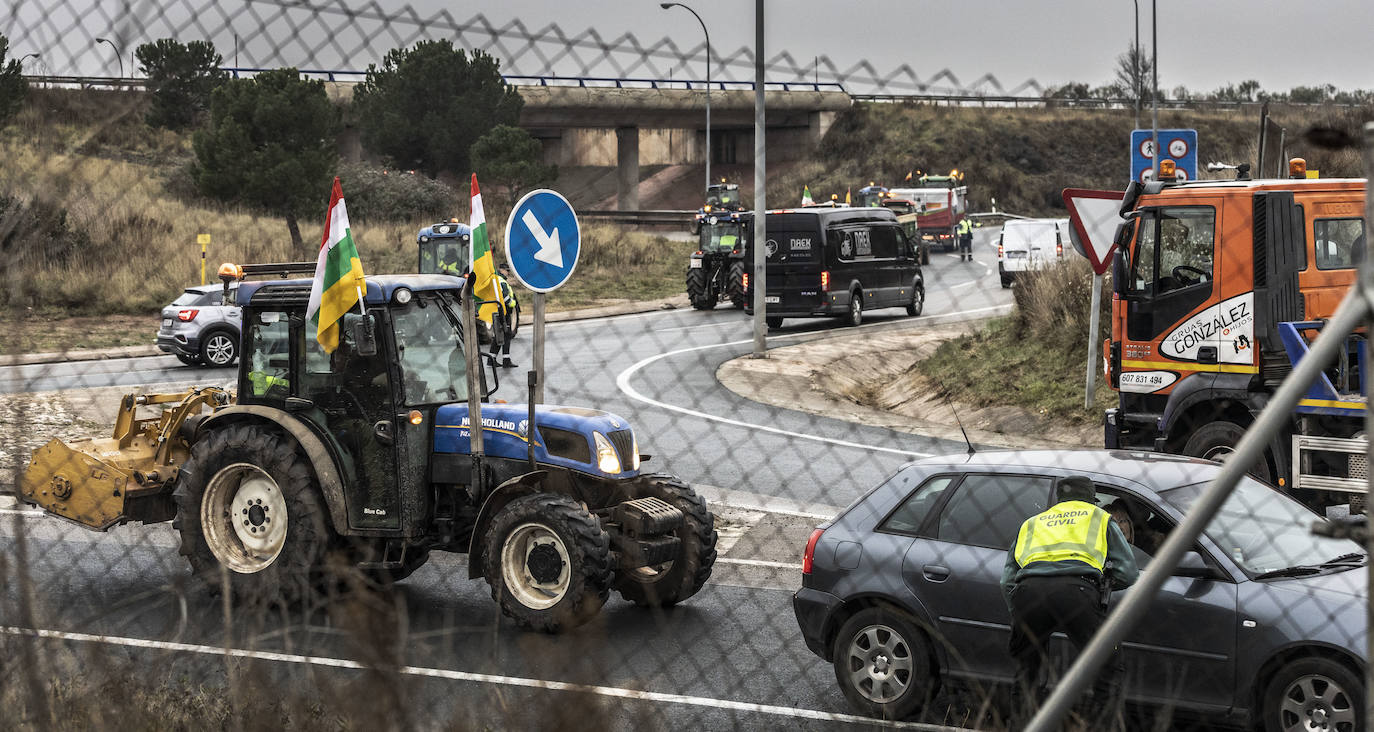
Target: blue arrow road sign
column 1179, row 146
column 543, row 240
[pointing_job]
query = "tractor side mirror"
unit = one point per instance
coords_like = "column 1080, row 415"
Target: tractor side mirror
column 365, row 336
column 490, row 360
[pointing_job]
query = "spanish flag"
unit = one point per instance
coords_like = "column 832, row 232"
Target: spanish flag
column 484, row 286
column 339, row 282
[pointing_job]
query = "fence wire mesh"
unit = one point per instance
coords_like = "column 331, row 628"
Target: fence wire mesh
column 397, row 590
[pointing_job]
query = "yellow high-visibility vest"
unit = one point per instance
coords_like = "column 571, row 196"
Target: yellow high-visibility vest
column 1070, row 530
column 965, row 227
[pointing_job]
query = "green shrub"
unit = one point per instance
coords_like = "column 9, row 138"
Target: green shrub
column 375, row 194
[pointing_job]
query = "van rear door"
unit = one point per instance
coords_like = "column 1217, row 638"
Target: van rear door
column 795, row 250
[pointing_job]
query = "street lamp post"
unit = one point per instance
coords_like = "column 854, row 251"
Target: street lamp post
column 706, row 33
column 1135, row 64
column 119, row 56
column 1154, row 84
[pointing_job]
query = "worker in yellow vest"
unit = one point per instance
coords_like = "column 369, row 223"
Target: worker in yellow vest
column 1058, row 577
column 965, row 232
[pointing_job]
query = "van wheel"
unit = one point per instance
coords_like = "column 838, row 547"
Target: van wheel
column 773, row 321
column 856, row 309
column 918, row 299
column 1006, row 283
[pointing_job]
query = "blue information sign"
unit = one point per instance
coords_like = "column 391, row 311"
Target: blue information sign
column 1179, row 146
column 543, row 240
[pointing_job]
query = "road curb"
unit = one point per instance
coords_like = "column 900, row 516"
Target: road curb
column 101, row 354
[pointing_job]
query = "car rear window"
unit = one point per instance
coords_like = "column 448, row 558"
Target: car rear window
column 987, row 510
column 1022, row 234
column 192, row 298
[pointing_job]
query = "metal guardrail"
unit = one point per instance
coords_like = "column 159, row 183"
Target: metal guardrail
column 660, row 217
column 1091, row 103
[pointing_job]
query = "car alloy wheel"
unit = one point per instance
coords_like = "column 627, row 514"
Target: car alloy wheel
column 880, row 664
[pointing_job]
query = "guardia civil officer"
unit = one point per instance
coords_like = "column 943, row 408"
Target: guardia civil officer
column 965, row 233
column 1058, row 576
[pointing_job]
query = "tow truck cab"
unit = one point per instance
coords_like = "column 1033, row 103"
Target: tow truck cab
column 1205, row 277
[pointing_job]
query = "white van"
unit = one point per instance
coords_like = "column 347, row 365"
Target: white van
column 1029, row 244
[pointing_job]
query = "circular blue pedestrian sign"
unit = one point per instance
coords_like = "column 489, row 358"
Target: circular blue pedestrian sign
column 543, row 240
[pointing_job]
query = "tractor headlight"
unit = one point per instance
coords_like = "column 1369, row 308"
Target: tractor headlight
column 606, row 459
column 634, row 459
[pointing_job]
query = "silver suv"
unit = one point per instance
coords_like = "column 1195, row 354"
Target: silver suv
column 199, row 328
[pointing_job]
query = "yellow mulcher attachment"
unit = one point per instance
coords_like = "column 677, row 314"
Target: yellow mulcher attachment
column 102, row 482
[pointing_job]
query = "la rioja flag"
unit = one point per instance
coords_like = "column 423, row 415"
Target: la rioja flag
column 339, row 280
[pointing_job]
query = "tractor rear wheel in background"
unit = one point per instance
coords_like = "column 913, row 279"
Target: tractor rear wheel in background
column 548, row 562
column 699, row 289
column 672, row 582
column 247, row 501
column 736, row 287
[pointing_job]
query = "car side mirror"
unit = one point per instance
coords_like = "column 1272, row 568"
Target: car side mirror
column 1193, row 565
column 364, row 336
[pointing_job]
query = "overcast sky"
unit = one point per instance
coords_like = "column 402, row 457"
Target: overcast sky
column 1203, row 44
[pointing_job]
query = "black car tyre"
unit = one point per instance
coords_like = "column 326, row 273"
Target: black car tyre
column 249, row 502
column 218, row 349
column 698, row 290
column 188, row 359
column 1313, row 694
column 882, row 663
column 1006, row 283
column 736, row 287
column 548, row 562
column 855, row 316
column 1217, row 440
column 668, row 584
column 918, row 299
column 773, row 321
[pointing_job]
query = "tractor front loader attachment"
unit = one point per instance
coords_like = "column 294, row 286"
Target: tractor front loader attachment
column 105, row 481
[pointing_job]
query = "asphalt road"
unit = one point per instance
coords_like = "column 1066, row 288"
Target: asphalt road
column 731, row 657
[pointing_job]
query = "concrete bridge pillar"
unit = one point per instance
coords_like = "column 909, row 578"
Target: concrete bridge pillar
column 627, row 172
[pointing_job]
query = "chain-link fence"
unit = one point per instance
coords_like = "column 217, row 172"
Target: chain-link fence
column 681, row 536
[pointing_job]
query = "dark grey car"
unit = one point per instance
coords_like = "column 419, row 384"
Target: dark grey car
column 1262, row 622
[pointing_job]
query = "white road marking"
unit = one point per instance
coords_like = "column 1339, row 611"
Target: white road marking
column 451, row 675
column 622, row 382
column 21, row 512
column 758, row 563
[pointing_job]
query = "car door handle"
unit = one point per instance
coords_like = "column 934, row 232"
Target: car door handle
column 1207, row 354
column 935, row 573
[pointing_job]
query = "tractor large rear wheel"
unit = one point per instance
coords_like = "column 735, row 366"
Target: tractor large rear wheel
column 248, row 502
column 670, row 583
column 699, row 289
column 548, row 562
column 736, row 287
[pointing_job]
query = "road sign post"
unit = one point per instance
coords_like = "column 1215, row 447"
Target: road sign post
column 543, row 240
column 1095, row 216
column 203, row 240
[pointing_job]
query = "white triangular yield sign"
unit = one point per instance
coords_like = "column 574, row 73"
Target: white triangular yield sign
column 1095, row 216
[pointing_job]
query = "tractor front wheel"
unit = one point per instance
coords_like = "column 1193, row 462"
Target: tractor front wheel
column 672, row 582
column 548, row 562
column 248, row 502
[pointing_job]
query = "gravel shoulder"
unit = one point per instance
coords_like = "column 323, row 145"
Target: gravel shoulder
column 868, row 379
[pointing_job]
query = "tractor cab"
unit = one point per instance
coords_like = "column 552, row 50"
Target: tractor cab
column 725, row 233
column 723, row 196
column 445, row 248
column 871, row 195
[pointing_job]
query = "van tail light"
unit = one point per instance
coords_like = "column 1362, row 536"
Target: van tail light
column 1059, row 249
column 744, row 280
column 825, row 280
column 1000, row 250
column 811, row 550
column 187, row 316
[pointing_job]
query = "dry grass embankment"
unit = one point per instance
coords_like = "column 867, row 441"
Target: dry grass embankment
column 1033, row 359
column 96, row 219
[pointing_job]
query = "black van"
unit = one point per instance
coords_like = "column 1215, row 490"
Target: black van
column 837, row 262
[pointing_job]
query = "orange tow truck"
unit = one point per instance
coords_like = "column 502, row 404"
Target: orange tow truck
column 1217, row 288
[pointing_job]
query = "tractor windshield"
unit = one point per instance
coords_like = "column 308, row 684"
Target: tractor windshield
column 444, row 255
column 429, row 346
column 721, row 236
column 723, row 195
